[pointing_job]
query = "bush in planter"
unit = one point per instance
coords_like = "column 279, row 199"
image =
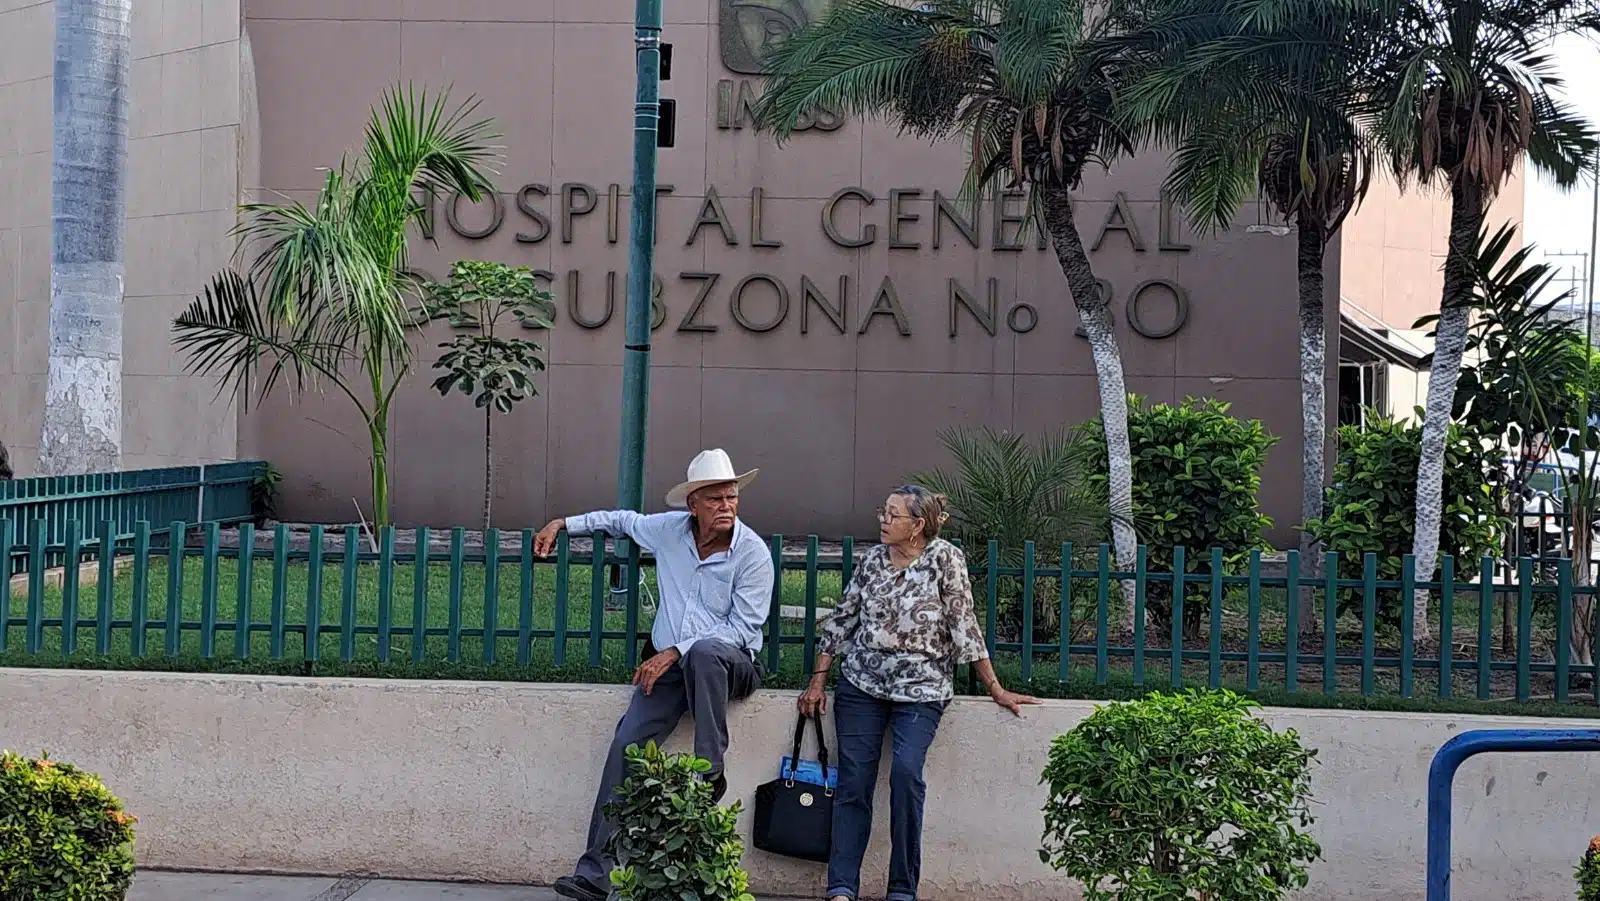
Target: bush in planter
column 1588, row 874
column 1196, row 485
column 672, row 842
column 1179, row 796
column 63, row 835
column 1372, row 505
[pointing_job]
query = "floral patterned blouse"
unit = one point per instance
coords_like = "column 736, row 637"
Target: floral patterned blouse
column 902, row 632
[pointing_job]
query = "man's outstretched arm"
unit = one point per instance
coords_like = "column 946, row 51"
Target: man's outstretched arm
column 644, row 530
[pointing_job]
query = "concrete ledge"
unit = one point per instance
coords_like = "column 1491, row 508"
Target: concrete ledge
column 492, row 781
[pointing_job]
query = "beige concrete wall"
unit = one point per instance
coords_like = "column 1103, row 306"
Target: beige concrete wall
column 183, row 161
column 495, row 781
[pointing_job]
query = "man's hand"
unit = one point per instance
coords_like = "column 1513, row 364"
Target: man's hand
column 545, row 541
column 649, row 671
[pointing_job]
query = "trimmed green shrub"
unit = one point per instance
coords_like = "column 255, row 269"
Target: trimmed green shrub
column 1588, row 874
column 672, row 842
column 63, row 835
column 1196, row 485
column 1180, row 796
column 1371, row 506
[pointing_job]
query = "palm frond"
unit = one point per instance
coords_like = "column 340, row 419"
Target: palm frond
column 230, row 333
column 1005, row 489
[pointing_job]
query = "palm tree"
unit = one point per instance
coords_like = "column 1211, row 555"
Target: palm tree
column 1265, row 97
column 1023, row 82
column 88, row 187
column 1465, row 94
column 329, row 296
column 1011, row 491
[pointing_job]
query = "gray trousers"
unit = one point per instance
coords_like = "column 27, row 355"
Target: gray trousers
column 702, row 683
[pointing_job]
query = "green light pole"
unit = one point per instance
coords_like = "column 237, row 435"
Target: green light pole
column 641, row 250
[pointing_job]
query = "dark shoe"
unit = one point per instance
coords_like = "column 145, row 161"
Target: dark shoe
column 580, row 889
column 719, row 787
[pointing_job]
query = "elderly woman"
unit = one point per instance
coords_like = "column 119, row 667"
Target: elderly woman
column 904, row 624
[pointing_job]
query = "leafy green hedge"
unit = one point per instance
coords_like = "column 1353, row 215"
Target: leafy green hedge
column 1180, row 796
column 1372, row 504
column 672, row 842
column 1196, row 485
column 63, row 835
column 1588, row 874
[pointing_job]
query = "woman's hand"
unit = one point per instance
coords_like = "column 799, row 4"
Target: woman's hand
column 1010, row 700
column 814, row 701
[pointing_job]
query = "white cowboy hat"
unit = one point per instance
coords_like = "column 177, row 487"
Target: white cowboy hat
column 711, row 467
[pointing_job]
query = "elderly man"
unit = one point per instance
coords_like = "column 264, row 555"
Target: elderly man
column 715, row 579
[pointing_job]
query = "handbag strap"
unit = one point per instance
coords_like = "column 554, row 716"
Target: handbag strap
column 799, row 741
column 822, row 746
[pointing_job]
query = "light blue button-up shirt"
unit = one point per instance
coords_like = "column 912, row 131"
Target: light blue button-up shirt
column 723, row 597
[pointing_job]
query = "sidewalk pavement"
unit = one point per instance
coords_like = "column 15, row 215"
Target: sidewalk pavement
column 151, row 885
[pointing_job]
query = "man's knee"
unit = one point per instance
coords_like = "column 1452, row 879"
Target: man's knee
column 709, row 660
column 708, row 650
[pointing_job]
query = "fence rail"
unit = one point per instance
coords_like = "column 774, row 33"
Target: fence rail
column 238, row 594
column 219, row 492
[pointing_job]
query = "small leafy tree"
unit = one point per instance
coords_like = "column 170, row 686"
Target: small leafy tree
column 1196, row 486
column 1180, row 796
column 1588, row 874
column 1371, row 505
column 1006, row 489
column 325, row 298
column 485, row 363
column 672, row 841
column 63, row 835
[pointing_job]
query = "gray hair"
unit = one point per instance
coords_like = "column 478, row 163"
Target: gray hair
column 927, row 505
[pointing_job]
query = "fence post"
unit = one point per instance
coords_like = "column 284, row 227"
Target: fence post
column 200, row 497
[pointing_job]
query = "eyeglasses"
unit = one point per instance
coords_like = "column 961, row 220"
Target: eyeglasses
column 885, row 515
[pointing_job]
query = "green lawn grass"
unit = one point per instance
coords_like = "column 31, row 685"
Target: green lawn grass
column 525, row 645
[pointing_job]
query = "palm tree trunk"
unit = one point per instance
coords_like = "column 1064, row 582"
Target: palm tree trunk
column 1313, row 243
column 1097, row 325
column 1582, row 641
column 379, row 434
column 82, row 429
column 1450, row 344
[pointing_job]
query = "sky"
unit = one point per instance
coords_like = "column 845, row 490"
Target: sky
column 1558, row 221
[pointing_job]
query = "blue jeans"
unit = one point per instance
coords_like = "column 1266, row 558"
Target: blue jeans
column 860, row 720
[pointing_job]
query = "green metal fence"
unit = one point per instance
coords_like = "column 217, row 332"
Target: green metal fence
column 219, row 492
column 1256, row 624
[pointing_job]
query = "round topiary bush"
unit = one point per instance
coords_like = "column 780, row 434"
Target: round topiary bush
column 1179, row 796
column 63, row 835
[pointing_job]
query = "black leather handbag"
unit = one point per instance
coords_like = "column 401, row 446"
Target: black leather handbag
column 795, row 818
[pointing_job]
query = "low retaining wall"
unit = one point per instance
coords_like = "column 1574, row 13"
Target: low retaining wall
column 492, row 781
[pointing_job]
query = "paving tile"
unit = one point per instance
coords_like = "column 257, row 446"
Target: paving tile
column 431, row 891
column 153, row 886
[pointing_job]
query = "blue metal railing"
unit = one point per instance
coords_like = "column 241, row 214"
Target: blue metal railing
column 1442, row 775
